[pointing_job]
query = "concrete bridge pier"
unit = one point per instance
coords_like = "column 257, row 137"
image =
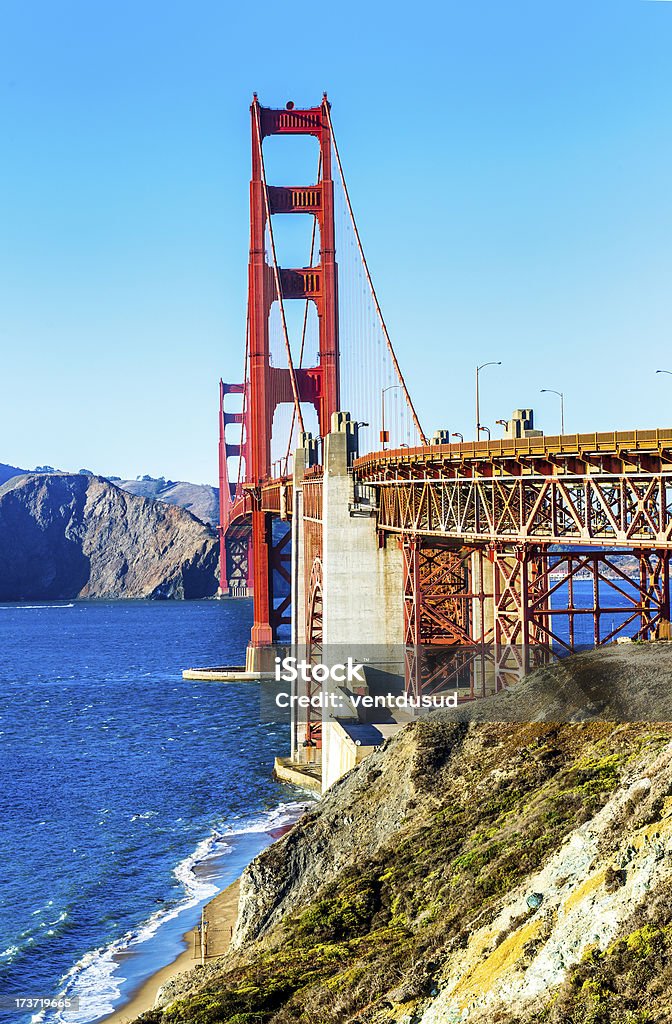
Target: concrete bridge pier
column 361, row 571
column 347, row 595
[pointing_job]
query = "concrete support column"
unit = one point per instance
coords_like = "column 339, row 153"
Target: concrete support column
column 362, row 582
column 362, row 579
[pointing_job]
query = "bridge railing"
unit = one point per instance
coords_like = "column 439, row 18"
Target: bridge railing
column 620, row 443
column 277, row 496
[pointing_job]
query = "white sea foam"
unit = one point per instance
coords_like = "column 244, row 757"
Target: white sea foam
column 96, row 979
column 33, row 607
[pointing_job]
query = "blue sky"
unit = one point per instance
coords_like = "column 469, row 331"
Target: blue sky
column 510, row 166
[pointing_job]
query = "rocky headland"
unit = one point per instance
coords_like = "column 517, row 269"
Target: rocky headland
column 7, row 472
column 492, row 871
column 201, row 500
column 65, row 536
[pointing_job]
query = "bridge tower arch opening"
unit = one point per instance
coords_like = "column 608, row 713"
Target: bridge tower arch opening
column 272, row 385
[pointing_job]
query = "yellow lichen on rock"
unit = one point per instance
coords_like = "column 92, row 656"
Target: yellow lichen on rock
column 478, row 981
column 657, row 829
column 591, row 884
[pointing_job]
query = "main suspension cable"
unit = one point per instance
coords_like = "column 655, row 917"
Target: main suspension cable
column 305, row 321
column 370, row 282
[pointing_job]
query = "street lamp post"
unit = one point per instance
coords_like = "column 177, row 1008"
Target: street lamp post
column 497, row 362
column 456, row 433
column 664, row 371
column 358, row 424
column 383, row 432
column 561, row 396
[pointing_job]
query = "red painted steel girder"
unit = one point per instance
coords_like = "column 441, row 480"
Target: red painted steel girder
column 627, row 510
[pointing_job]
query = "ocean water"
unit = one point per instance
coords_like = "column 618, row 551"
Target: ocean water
column 617, row 615
column 128, row 796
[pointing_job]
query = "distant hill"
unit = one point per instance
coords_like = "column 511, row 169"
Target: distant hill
column 201, row 500
column 71, row 535
column 7, row 472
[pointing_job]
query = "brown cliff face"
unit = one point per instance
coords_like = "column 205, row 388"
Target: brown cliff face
column 201, row 500
column 69, row 536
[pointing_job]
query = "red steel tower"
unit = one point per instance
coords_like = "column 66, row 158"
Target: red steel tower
column 269, row 386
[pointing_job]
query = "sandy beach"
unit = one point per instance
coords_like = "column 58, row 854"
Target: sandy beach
column 220, row 914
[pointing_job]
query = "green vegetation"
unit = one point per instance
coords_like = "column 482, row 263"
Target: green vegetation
column 376, row 939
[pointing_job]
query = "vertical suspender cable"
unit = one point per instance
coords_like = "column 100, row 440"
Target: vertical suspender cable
column 305, row 321
column 370, row 282
column 243, row 421
column 276, row 275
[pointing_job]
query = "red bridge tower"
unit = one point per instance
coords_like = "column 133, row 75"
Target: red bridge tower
column 268, row 386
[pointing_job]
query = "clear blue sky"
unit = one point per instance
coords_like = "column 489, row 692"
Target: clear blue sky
column 510, row 164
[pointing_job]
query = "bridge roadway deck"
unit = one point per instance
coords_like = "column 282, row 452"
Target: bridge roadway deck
column 575, row 454
column 601, row 489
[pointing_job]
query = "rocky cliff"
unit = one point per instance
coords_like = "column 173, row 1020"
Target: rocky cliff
column 510, row 873
column 201, row 500
column 68, row 536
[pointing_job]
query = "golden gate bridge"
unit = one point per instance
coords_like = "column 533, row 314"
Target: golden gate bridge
column 485, row 540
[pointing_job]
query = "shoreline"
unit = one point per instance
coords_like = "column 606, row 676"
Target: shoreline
column 221, row 913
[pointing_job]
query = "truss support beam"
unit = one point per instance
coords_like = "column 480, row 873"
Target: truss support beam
column 629, row 510
column 477, row 618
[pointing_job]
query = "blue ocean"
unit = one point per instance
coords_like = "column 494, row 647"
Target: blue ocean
column 129, row 796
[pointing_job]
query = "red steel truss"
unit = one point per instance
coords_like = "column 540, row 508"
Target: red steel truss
column 627, row 509
column 644, row 591
column 237, row 562
column 436, row 595
column 235, row 553
column 492, row 613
